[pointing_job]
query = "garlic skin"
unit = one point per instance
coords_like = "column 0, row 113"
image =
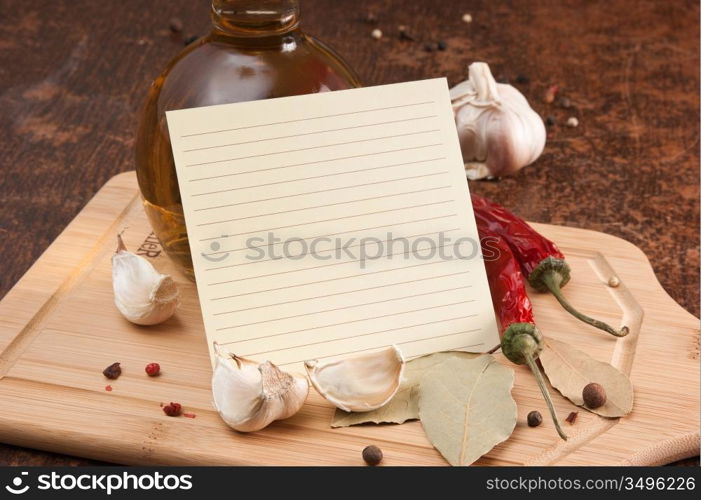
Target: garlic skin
column 249, row 396
column 499, row 132
column 143, row 295
column 359, row 383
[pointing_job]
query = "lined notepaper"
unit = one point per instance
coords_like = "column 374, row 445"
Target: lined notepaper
column 324, row 225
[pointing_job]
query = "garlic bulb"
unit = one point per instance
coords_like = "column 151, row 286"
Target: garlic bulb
column 499, row 132
column 143, row 295
column 249, row 396
column 359, row 383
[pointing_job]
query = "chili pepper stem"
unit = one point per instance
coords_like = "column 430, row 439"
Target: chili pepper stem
column 552, row 281
column 546, row 394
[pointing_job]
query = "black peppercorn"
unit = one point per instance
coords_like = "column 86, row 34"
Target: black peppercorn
column 564, row 102
column 112, row 371
column 534, row 419
column 175, row 25
column 523, row 79
column 594, row 395
column 442, row 45
column 372, row 455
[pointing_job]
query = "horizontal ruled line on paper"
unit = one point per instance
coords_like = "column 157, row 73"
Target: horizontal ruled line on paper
column 389, row 285
column 352, row 261
column 330, row 280
column 339, row 218
column 335, row 189
column 303, row 269
column 303, row 134
column 423, row 294
column 253, row 247
column 309, row 118
column 398, row 343
column 438, row 188
column 311, row 148
column 399, row 313
column 377, row 332
column 287, row 182
column 334, row 249
column 316, row 162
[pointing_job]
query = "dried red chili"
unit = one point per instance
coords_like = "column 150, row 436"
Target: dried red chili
column 542, row 263
column 521, row 341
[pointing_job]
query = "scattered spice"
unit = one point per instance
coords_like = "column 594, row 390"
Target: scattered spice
column 550, row 94
column 550, row 121
column 112, row 371
column 441, row 45
column 522, row 79
column 175, row 24
column 173, row 409
column 189, row 415
column 376, row 33
column 189, row 39
column 430, row 46
column 614, row 281
column 372, row 455
column 534, row 418
column 371, row 18
column 108, row 388
column 594, row 395
column 572, row 122
column 467, row 18
column 571, row 418
column 564, row 102
column 404, row 34
column 153, row 369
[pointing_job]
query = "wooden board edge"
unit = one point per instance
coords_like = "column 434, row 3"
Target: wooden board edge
column 31, row 308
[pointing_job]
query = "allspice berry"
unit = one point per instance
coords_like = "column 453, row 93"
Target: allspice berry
column 372, row 455
column 534, row 418
column 594, row 395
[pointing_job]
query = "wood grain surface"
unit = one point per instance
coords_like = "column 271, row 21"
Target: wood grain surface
column 73, row 76
column 59, row 329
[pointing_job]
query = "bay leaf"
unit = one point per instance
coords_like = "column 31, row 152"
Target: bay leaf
column 466, row 407
column 570, row 369
column 405, row 403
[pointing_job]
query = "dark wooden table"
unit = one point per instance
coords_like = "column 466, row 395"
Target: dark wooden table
column 73, row 76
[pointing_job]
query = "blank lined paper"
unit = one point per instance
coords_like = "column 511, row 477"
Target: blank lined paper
column 329, row 224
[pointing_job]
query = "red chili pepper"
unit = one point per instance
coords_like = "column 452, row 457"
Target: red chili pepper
column 521, row 342
column 542, row 263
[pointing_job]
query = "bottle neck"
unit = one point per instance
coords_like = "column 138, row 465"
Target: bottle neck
column 255, row 18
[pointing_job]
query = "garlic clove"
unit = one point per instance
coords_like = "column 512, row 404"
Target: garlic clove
column 249, row 396
column 359, row 383
column 143, row 295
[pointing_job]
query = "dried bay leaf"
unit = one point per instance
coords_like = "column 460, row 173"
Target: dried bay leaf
column 570, row 369
column 466, row 407
column 405, row 403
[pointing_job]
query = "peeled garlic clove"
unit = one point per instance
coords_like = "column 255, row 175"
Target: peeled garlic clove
column 498, row 130
column 249, row 396
column 359, row 383
column 143, row 295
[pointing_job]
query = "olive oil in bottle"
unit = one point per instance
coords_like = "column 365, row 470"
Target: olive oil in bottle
column 255, row 50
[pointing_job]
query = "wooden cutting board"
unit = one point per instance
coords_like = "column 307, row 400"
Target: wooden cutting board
column 59, row 329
